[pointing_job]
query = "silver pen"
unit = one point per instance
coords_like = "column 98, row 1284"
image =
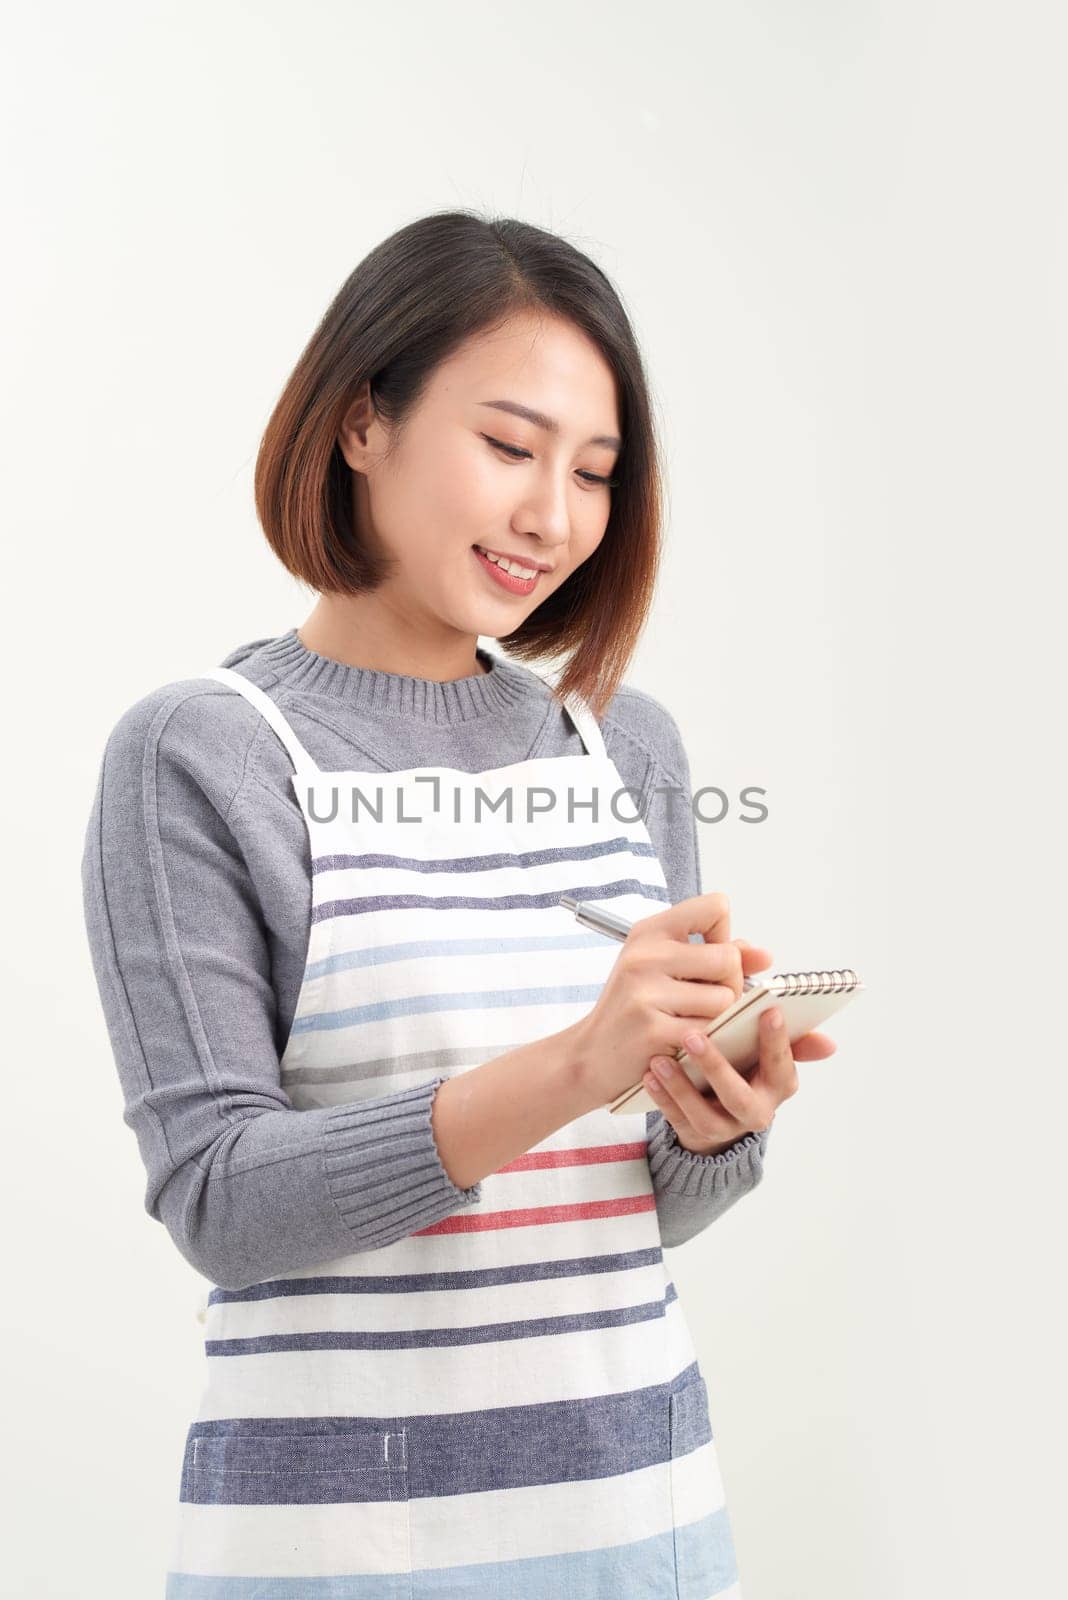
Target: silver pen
column 608, row 923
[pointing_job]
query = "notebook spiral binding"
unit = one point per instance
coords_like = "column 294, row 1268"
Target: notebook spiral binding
column 812, row 982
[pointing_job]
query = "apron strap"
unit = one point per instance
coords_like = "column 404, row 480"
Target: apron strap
column 583, row 719
column 586, row 725
column 300, row 758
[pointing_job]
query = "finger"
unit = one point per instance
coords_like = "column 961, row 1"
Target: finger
column 700, row 963
column 813, row 1047
column 697, row 1001
column 742, row 1102
column 690, row 1112
column 776, row 1072
column 724, row 962
column 706, row 914
column 754, row 957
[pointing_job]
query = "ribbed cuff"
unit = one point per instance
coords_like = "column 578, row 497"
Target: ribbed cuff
column 383, row 1169
column 677, row 1170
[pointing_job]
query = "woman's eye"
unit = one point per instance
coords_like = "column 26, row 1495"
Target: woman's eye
column 524, row 455
column 509, row 449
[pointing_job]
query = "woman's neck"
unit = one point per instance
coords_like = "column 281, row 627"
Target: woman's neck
column 347, row 629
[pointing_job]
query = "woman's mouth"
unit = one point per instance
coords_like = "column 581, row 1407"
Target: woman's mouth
column 502, row 576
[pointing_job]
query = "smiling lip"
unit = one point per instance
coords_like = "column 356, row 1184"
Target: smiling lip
column 505, row 579
column 520, row 561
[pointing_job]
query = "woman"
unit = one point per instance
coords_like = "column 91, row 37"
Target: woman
column 367, row 1054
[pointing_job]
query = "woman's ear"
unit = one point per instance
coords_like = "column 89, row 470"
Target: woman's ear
column 356, row 433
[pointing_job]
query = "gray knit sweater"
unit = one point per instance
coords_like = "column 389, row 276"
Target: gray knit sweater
column 197, row 894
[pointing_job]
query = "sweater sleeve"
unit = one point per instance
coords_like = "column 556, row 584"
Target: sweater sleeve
column 691, row 1190
column 182, row 959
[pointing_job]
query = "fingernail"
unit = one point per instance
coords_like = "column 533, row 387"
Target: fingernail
column 774, row 1018
column 695, row 1043
column 662, row 1067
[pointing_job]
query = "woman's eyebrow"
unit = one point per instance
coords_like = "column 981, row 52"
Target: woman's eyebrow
column 550, row 424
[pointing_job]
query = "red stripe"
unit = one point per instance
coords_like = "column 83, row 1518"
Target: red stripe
column 582, row 1156
column 536, row 1216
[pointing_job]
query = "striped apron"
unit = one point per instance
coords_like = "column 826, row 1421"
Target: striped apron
column 506, row 1404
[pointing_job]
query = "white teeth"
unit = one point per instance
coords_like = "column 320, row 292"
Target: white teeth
column 509, row 566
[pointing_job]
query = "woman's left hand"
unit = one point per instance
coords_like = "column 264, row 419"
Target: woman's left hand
column 706, row 1124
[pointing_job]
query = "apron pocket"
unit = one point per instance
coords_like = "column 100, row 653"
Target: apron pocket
column 300, row 1504
column 298, row 1469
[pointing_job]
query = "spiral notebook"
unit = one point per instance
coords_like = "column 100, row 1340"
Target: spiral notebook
column 805, row 999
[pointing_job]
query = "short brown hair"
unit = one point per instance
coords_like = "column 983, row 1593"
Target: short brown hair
column 406, row 308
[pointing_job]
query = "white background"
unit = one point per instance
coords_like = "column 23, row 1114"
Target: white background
column 840, row 230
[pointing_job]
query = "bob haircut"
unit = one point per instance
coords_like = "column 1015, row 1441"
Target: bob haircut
column 407, row 307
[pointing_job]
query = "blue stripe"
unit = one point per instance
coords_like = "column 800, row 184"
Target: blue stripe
column 433, row 1282
column 315, row 1460
column 504, row 902
column 437, row 1338
column 473, row 1000
column 487, row 863
column 417, row 949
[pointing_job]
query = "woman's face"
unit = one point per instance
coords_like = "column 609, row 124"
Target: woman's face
column 451, row 485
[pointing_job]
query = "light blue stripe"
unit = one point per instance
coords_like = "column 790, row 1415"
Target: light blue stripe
column 416, row 949
column 645, row 1567
column 704, row 1550
column 388, row 1586
column 473, row 1000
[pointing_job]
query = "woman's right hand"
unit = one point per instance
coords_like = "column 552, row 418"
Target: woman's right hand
column 660, row 989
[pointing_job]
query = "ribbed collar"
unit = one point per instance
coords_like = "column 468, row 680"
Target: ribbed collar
column 288, row 662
